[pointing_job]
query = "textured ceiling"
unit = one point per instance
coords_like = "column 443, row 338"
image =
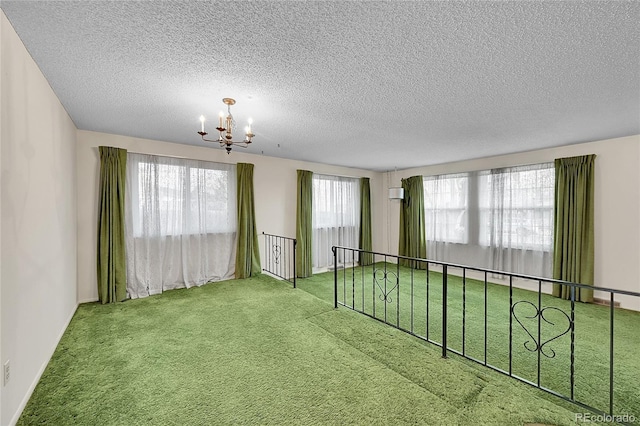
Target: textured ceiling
column 375, row 85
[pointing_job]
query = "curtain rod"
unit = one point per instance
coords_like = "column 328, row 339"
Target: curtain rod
column 198, row 159
column 342, row 176
column 176, row 157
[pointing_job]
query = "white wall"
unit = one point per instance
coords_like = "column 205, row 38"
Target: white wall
column 2, row 108
column 617, row 204
column 37, row 219
column 2, row 25
column 274, row 188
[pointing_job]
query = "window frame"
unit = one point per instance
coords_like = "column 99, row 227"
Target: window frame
column 475, row 207
column 213, row 226
column 434, row 211
column 342, row 232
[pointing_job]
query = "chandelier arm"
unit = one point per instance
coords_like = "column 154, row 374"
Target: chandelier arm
column 210, row 140
column 223, row 142
column 242, row 144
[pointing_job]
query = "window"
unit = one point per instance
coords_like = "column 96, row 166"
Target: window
column 187, row 198
column 446, row 204
column 500, row 218
column 180, row 223
column 516, row 207
column 335, row 217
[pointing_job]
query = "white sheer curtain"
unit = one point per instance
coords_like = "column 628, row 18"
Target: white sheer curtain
column 180, row 223
column 335, row 218
column 516, row 218
column 446, row 202
column 498, row 219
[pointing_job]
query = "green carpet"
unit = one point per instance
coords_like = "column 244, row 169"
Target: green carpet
column 356, row 288
column 256, row 351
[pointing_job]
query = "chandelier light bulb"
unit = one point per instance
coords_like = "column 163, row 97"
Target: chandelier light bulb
column 202, row 123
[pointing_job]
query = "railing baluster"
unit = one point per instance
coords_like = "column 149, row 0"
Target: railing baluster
column 344, row 279
column 510, row 322
column 611, row 305
column 290, row 268
column 286, row 260
column 398, row 294
column 265, row 251
column 335, row 277
column 464, row 308
column 362, row 270
column 353, row 280
column 444, row 311
column 279, row 256
column 270, row 239
column 485, row 317
column 411, row 300
column 373, row 286
column 295, row 253
column 427, row 315
column 573, row 337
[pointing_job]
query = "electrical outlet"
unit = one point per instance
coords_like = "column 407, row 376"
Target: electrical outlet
column 7, row 372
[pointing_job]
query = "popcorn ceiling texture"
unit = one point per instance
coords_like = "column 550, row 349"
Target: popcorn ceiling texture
column 374, row 85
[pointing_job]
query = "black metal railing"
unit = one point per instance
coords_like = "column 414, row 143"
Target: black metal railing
column 280, row 257
column 524, row 333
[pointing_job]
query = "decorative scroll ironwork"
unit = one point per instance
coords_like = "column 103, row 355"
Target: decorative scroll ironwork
column 540, row 346
column 385, row 296
column 276, row 251
column 280, row 257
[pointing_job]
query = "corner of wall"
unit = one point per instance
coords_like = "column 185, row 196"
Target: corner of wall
column 3, row 18
column 39, row 168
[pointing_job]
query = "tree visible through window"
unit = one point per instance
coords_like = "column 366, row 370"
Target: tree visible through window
column 186, row 198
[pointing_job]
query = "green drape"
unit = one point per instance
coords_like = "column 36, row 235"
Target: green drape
column 365, row 222
column 111, row 261
column 412, row 239
column 573, row 255
column 304, row 261
column 248, row 251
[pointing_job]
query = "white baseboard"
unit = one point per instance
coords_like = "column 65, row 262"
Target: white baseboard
column 90, row 300
column 27, row 396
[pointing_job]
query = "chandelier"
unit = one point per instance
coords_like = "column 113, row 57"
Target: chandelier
column 225, row 129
